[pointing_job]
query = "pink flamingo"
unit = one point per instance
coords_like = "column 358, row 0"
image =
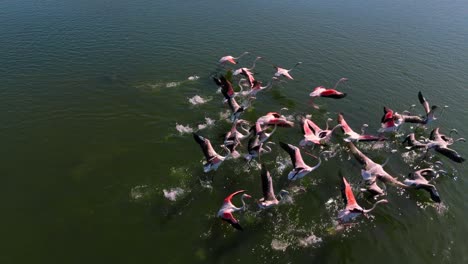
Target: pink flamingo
column 322, row 91
column 352, row 209
column 284, row 72
column 231, row 59
column 225, row 213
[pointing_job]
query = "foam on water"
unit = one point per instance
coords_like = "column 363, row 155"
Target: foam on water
column 184, row 129
column 198, row 100
column 193, row 78
column 172, row 84
column 279, row 245
column 173, row 193
column 142, row 193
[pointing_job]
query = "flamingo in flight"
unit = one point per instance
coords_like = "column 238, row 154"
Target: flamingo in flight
column 274, row 118
column 321, row 91
column 372, row 172
column 262, row 132
column 269, row 199
column 213, row 159
column 255, row 148
column 226, row 87
column 247, row 72
column 284, row 72
column 353, row 136
column 352, row 209
column 300, row 168
column 233, row 137
column 256, row 87
column 314, row 134
column 225, row 213
column 439, row 142
column 231, row 59
column 391, row 120
column 418, row 180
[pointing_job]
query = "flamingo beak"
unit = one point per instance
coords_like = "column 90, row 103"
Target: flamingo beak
column 247, row 196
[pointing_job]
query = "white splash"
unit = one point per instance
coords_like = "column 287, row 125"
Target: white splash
column 279, row 245
column 208, row 123
column 184, row 129
column 310, row 240
column 197, row 100
column 224, row 115
column 141, row 192
column 172, row 84
column 282, row 163
column 193, row 78
column 173, row 193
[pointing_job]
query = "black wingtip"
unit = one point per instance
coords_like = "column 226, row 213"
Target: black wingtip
column 421, row 98
column 435, row 196
column 237, row 226
column 284, row 146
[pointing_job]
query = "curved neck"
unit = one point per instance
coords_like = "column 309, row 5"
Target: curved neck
column 297, row 64
column 338, row 82
column 243, row 204
column 245, row 53
column 373, row 207
column 255, row 62
column 363, row 129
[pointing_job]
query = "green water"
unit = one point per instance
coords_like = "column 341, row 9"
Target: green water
column 91, row 92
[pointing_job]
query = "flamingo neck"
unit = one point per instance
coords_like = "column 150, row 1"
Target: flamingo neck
column 338, row 82
column 375, row 205
column 254, row 63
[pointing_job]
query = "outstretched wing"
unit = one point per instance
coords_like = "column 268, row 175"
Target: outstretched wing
column 344, row 125
column 450, row 153
column 229, row 217
column 424, row 102
column 267, row 184
column 295, row 155
column 348, row 195
column 206, row 147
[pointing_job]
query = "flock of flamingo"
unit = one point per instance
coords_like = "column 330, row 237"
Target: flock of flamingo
column 259, row 133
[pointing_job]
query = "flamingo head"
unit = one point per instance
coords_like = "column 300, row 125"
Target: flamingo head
column 246, row 196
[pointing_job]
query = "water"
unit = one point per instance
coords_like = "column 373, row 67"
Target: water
column 92, row 92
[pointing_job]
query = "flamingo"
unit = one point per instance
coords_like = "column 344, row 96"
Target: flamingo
column 437, row 141
column 256, row 87
column 225, row 213
column 213, row 159
column 256, row 148
column 274, row 118
column 233, row 137
column 247, row 72
column 391, row 120
column 353, row 136
column 269, row 198
column 300, row 168
column 314, row 134
column 372, row 172
column 284, row 72
column 258, row 130
column 226, row 87
column 321, row 91
column 231, row 59
column 353, row 209
column 418, row 180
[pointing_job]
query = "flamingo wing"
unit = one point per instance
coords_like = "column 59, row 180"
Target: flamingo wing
column 206, row 147
column 267, row 184
column 424, row 102
column 348, row 195
column 450, row 153
column 312, row 125
column 344, row 125
column 229, row 217
column 388, row 115
column 295, row 155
